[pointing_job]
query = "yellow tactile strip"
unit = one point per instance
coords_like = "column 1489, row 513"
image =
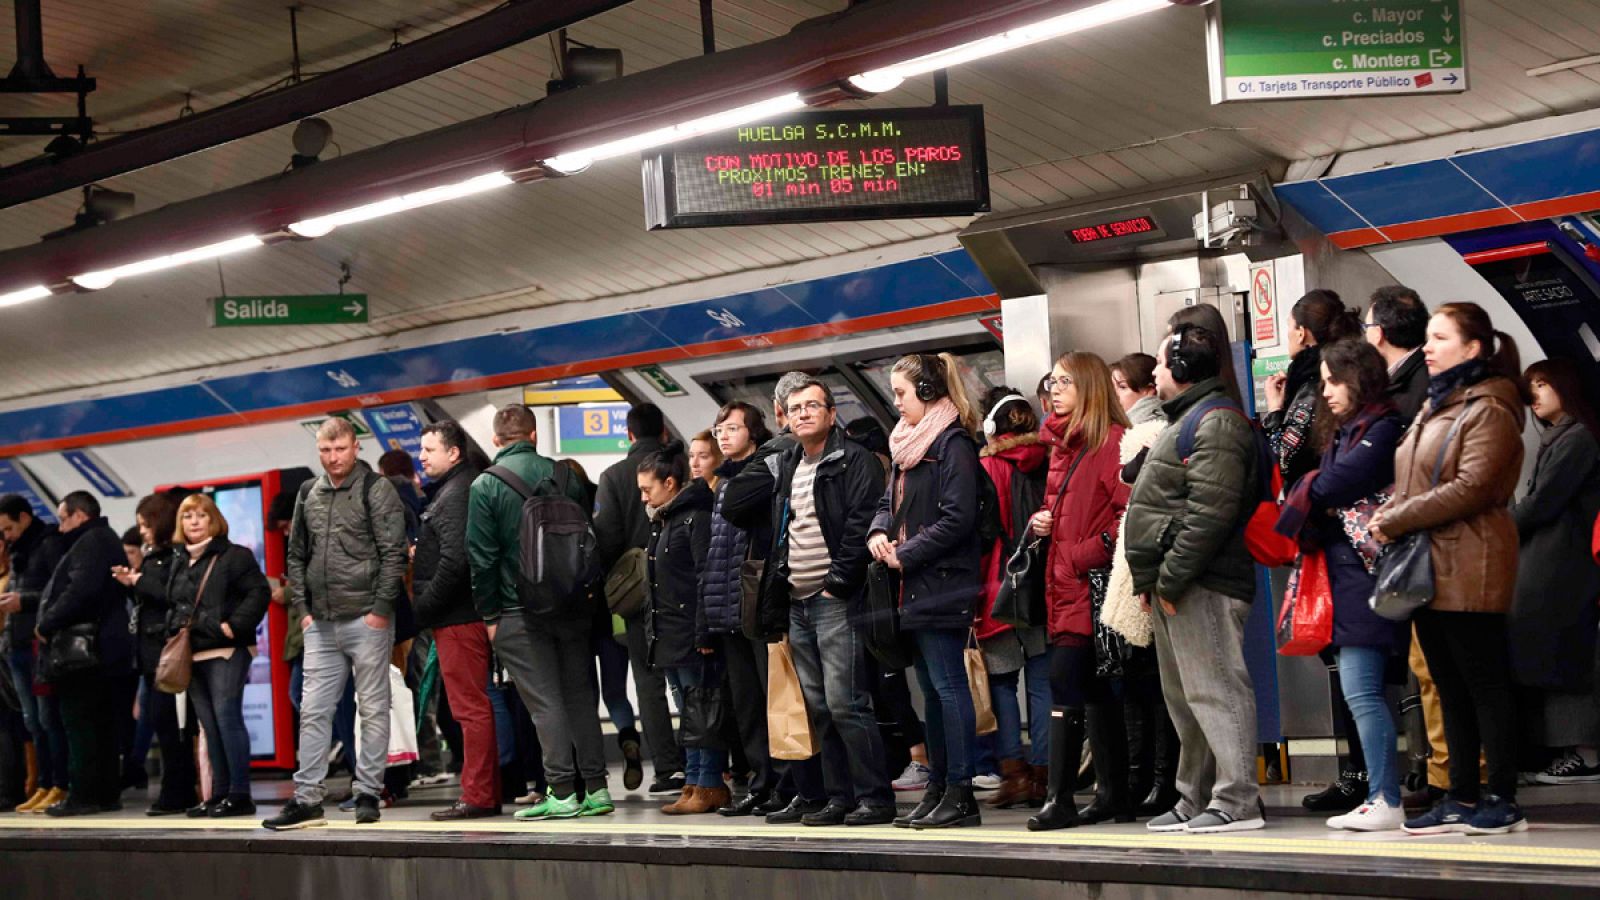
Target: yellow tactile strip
column 1493, row 851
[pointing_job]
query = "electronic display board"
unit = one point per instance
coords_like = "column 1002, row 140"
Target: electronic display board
column 822, row 166
column 1119, row 228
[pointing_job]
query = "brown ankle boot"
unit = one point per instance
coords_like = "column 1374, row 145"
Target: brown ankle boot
column 705, row 800
column 676, row 807
column 1016, row 786
column 1039, row 786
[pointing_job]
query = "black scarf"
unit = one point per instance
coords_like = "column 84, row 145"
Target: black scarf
column 1304, row 369
column 1444, row 384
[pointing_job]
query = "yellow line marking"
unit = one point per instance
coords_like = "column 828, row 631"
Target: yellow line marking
column 1493, row 850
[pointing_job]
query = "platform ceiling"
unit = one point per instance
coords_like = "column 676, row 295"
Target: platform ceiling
column 1102, row 112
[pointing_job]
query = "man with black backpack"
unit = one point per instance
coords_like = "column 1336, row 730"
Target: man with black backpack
column 346, row 569
column 534, row 559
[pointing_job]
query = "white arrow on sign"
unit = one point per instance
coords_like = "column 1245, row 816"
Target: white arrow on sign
column 354, row 308
column 1449, row 36
column 1447, row 16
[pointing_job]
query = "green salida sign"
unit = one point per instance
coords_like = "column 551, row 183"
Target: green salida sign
column 300, row 309
column 1298, row 49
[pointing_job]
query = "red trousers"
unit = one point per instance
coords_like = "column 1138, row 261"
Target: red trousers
column 464, row 665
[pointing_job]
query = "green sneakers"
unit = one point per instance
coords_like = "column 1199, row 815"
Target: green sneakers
column 597, row 803
column 556, row 808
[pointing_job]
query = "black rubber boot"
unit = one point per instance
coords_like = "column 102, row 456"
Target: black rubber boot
column 1111, row 796
column 1163, row 794
column 958, row 809
column 1141, row 747
column 1066, row 747
column 931, row 797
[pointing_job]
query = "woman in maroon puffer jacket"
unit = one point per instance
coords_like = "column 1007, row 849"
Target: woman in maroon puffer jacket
column 1084, row 501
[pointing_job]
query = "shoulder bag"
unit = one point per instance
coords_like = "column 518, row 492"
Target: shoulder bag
column 1405, row 567
column 880, row 626
column 176, row 666
column 1020, row 601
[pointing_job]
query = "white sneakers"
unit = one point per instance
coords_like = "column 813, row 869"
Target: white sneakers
column 1375, row 815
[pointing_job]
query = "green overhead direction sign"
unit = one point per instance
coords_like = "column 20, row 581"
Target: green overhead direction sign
column 1298, row 49
column 288, row 309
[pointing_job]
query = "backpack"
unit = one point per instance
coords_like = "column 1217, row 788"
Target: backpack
column 989, row 526
column 557, row 552
column 1027, row 498
column 1261, row 537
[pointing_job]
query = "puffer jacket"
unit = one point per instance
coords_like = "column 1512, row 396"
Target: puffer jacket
column 151, row 607
column 680, row 536
column 82, row 591
column 1001, row 459
column 236, row 594
column 347, row 548
column 721, row 590
column 1086, row 512
column 1467, row 516
column 941, row 576
column 1186, row 522
column 441, row 578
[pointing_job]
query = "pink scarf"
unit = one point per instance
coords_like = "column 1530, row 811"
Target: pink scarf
column 909, row 444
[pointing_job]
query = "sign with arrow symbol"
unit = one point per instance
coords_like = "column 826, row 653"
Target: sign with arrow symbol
column 289, row 309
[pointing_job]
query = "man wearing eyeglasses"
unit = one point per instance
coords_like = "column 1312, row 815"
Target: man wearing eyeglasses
column 826, row 493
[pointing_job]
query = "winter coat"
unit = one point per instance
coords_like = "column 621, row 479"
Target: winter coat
column 1147, row 409
column 1001, row 459
column 1358, row 463
column 1290, row 429
column 619, row 520
column 441, row 576
column 494, row 525
column 1467, row 516
column 1123, row 612
column 1186, row 521
column 236, row 593
column 1408, row 387
column 680, row 536
column 33, row 561
column 347, row 548
column 1553, row 613
column 941, row 562
column 1086, row 511
column 151, row 607
column 721, row 587
column 82, row 591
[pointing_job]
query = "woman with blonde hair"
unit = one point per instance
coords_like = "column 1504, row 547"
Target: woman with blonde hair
column 1084, row 502
column 927, row 529
column 216, row 588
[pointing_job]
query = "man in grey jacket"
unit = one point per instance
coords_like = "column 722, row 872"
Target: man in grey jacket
column 346, row 568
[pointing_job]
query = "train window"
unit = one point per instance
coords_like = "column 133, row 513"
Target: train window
column 980, row 371
column 757, row 391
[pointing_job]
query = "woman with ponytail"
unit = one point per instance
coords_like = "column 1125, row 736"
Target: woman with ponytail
column 927, row 528
column 1455, row 473
column 1318, row 319
column 1084, row 502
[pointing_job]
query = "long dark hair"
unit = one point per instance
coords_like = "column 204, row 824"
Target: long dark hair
column 1323, row 313
column 670, row 461
column 1565, row 379
column 1358, row 366
column 1499, row 351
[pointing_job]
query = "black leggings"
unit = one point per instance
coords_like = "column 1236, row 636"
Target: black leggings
column 1073, row 683
column 1471, row 666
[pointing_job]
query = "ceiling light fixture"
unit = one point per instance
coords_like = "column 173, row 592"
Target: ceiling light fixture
column 578, row 160
column 888, row 78
column 28, row 294
column 321, row 225
column 95, row 281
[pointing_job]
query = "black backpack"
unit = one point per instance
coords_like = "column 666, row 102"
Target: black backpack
column 990, row 528
column 1027, row 498
column 558, row 560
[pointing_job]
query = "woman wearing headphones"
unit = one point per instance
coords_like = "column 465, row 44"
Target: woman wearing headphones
column 1084, row 502
column 927, row 528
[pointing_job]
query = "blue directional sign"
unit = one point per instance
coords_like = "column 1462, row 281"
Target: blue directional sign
column 97, row 473
column 397, row 427
column 16, row 480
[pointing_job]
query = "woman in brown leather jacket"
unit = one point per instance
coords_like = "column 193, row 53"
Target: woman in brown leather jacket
column 1473, row 373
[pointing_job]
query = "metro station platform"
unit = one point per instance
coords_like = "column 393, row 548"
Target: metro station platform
column 638, row 852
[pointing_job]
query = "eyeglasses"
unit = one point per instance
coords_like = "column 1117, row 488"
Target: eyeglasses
column 1366, row 325
column 729, row 429
column 1056, row 381
column 810, row 406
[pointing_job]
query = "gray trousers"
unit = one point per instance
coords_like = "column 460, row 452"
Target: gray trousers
column 333, row 651
column 1212, row 703
column 651, row 687
column 552, row 666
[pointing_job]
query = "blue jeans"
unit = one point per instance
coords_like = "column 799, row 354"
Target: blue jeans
column 952, row 724
column 1008, row 713
column 828, row 658
column 42, row 717
column 702, row 766
column 1361, row 678
column 614, row 679
column 217, row 690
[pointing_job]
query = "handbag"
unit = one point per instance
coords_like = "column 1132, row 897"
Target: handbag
column 704, row 718
column 1020, row 599
column 978, row 684
column 880, row 620
column 1405, row 568
column 1114, row 657
column 73, row 649
column 628, row 584
column 789, row 734
column 1356, row 522
column 1305, row 624
column 175, row 667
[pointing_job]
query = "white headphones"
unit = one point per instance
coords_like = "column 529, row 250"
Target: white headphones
column 989, row 426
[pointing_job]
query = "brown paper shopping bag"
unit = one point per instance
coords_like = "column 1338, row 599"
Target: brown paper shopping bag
column 978, row 681
column 788, row 727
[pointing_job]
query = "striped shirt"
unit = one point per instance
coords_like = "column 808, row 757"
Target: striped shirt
column 808, row 551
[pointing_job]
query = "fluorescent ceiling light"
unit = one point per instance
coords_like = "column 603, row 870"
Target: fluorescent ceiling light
column 888, row 78
column 321, row 225
column 37, row 292
column 578, row 160
column 100, row 280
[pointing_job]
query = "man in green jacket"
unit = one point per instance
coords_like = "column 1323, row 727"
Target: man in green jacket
column 550, row 659
column 1186, row 552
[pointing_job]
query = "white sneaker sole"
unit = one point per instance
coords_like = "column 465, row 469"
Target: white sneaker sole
column 1239, row 825
column 1509, row 829
column 1166, row 829
column 1566, row 779
column 314, row 823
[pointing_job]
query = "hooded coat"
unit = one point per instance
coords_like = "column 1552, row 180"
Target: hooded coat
column 1086, row 512
column 1002, row 459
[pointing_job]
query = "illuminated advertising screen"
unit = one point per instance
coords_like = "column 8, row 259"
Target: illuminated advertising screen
column 240, row 505
column 820, row 166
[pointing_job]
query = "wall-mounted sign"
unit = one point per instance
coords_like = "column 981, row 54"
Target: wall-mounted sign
column 14, row 479
column 582, row 389
column 592, row 429
column 661, row 381
column 99, row 475
column 1264, row 334
column 398, row 427
column 362, row 431
column 304, row 309
column 1295, row 49
column 821, row 166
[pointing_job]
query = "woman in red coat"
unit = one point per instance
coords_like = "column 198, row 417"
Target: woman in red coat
column 1084, row 502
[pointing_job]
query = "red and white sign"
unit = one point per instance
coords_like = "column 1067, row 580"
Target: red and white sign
column 1264, row 331
column 996, row 327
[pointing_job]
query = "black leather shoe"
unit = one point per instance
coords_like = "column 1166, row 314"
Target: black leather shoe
column 1349, row 792
column 772, row 804
column 203, row 810
column 797, row 809
column 157, row 809
column 958, row 809
column 68, row 808
column 931, row 795
column 871, row 815
column 744, row 806
column 832, row 814
column 460, row 811
column 234, row 806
